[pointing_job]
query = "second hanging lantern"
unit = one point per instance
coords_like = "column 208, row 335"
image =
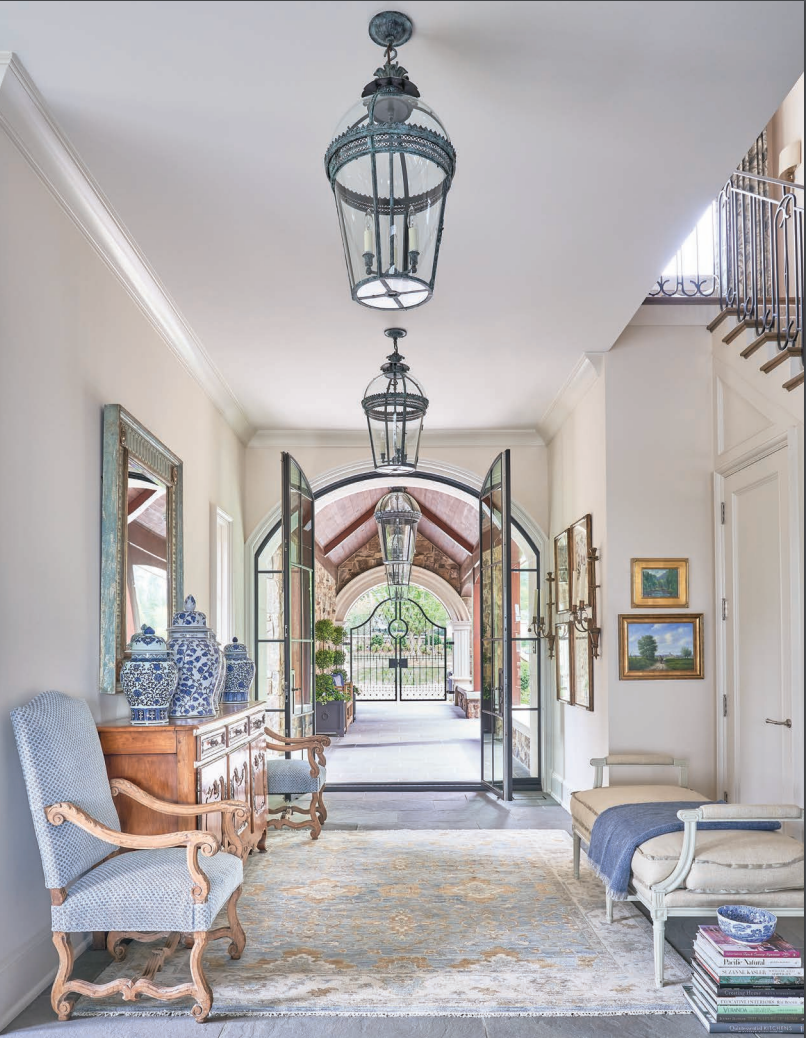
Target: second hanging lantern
column 397, row 515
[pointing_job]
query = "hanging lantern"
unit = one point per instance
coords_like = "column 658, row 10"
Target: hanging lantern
column 395, row 405
column 397, row 515
column 390, row 165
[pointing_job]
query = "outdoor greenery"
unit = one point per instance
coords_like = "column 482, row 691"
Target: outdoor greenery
column 329, row 662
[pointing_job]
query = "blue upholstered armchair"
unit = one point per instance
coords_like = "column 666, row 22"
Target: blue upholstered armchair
column 289, row 778
column 102, row 879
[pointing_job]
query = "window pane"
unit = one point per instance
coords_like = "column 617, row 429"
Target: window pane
column 270, row 605
column 270, row 674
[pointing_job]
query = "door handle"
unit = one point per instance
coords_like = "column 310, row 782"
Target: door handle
column 785, row 724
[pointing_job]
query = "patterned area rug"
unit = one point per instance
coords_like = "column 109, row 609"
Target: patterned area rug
column 424, row 923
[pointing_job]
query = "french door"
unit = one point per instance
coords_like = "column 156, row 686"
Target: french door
column 495, row 593
column 298, row 599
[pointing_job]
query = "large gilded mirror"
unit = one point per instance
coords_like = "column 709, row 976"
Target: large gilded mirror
column 141, row 546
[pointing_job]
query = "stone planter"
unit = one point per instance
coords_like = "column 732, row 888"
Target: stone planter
column 331, row 718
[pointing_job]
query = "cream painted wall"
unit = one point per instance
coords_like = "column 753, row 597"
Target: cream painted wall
column 660, row 503
column 577, row 480
column 785, row 127
column 71, row 340
column 529, row 472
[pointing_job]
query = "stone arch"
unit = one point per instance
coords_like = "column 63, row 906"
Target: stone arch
column 456, row 606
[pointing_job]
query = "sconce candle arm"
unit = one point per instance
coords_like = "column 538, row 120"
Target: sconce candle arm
column 543, row 627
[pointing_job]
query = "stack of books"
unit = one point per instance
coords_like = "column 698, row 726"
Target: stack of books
column 746, row 989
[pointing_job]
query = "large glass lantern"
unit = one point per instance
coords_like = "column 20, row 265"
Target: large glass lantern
column 397, row 515
column 390, row 165
column 395, row 405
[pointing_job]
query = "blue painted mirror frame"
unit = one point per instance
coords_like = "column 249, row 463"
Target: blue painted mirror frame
column 125, row 437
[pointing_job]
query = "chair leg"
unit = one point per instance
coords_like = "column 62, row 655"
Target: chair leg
column 61, row 1002
column 608, row 907
column 316, row 825
column 577, row 843
column 238, row 936
column 202, row 991
column 321, row 809
column 659, row 932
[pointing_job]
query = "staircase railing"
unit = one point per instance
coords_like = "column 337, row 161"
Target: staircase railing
column 760, row 255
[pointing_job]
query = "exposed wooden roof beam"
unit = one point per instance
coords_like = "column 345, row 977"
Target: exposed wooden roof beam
column 441, row 525
column 354, row 526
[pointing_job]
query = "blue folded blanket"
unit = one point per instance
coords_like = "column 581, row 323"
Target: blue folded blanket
column 618, row 831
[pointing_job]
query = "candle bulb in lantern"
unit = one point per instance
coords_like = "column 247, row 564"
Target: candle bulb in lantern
column 368, row 244
column 413, row 245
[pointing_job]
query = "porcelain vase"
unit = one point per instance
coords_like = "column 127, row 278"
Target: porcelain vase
column 149, row 678
column 239, row 672
column 200, row 661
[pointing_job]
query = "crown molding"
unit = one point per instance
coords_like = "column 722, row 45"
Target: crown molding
column 585, row 372
column 281, row 439
column 25, row 117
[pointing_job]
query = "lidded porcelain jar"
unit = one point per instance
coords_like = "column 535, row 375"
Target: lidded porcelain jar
column 240, row 672
column 200, row 661
column 149, row 678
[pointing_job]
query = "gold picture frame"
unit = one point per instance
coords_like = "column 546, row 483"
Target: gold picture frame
column 659, row 583
column 660, row 648
column 564, row 662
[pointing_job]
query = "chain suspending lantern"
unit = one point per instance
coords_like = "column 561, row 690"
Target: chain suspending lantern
column 395, row 405
column 390, row 165
column 397, row 515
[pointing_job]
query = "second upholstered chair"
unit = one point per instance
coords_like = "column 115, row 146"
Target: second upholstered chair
column 289, row 778
column 143, row 888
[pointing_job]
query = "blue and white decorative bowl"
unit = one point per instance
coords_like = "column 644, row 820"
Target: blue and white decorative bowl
column 200, row 661
column 746, row 924
column 240, row 672
column 149, row 677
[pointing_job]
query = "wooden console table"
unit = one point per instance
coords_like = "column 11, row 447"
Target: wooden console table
column 195, row 760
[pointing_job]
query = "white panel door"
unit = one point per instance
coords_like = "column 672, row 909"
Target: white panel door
column 758, row 657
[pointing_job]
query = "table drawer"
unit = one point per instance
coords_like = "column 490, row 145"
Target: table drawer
column 212, row 743
column 238, row 731
column 257, row 722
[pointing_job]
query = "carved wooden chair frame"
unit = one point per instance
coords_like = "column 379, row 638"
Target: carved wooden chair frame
column 197, row 842
column 314, row 745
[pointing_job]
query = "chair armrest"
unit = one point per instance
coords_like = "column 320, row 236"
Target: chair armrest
column 230, row 809
column 749, row 812
column 690, row 816
column 639, row 760
column 314, row 744
column 193, row 839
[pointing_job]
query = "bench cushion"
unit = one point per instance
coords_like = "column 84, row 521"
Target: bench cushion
column 588, row 804
column 727, row 862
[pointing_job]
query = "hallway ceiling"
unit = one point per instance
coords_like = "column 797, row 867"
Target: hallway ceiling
column 590, row 137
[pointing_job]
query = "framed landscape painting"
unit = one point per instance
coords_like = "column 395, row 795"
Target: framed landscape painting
column 564, row 662
column 562, row 571
column 658, row 648
column 660, row 583
column 581, row 535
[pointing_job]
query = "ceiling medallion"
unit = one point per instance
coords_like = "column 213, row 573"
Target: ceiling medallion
column 390, row 165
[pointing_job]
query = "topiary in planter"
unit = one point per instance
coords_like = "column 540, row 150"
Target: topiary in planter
column 339, row 658
column 323, row 630
column 324, row 659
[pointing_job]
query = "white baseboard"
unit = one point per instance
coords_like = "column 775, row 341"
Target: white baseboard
column 560, row 791
column 36, row 959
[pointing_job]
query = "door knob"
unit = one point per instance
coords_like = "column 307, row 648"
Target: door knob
column 786, row 724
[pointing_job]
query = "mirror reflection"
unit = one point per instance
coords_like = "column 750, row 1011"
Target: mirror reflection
column 147, row 585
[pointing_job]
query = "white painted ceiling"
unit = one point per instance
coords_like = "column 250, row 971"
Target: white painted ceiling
column 590, row 136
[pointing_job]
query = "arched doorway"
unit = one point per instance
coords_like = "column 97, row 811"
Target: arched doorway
column 531, row 762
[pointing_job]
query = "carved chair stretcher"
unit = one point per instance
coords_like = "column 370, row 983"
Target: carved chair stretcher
column 694, row 872
column 135, row 887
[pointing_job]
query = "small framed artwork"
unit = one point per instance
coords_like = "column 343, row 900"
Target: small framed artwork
column 564, row 662
column 660, row 583
column 658, row 648
column 582, row 669
column 581, row 536
column 562, row 572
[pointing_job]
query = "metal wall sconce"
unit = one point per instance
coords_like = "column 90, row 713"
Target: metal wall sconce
column 584, row 620
column 543, row 626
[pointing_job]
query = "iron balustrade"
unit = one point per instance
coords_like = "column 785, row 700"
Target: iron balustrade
column 747, row 254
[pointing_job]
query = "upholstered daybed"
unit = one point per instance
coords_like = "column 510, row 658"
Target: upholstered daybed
column 691, row 872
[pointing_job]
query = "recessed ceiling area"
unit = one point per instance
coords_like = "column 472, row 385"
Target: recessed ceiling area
column 589, row 136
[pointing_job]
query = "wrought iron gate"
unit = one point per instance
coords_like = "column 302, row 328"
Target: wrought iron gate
column 399, row 654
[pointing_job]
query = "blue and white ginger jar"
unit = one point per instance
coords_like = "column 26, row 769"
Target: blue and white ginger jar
column 149, row 678
column 240, row 672
column 201, row 664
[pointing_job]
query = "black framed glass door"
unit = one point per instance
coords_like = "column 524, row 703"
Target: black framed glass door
column 495, row 590
column 298, row 592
